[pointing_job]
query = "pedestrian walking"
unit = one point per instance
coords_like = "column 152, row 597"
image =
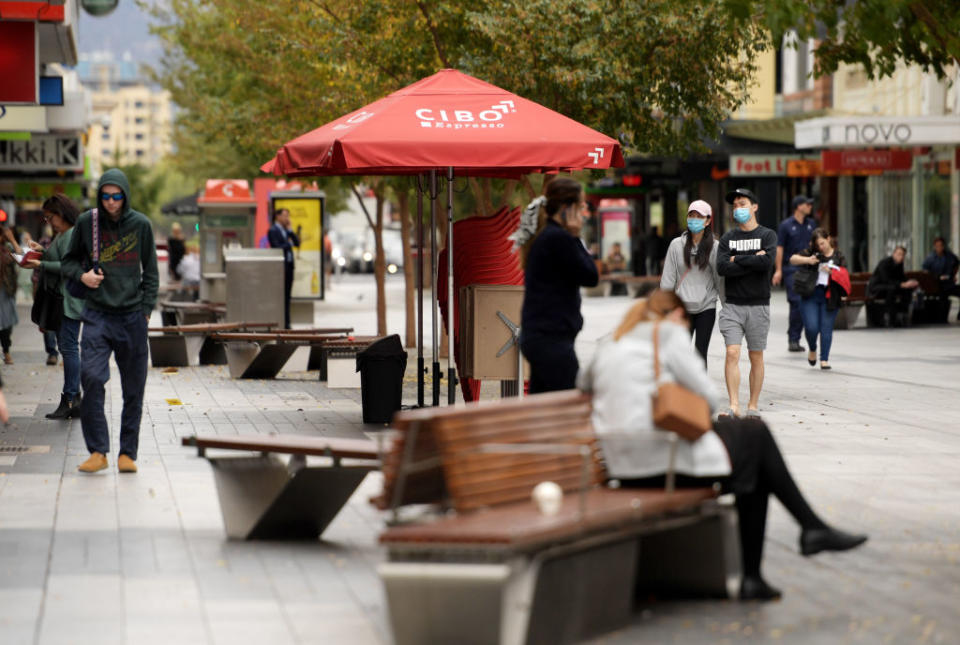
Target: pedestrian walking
column 889, row 285
column 8, row 301
column 745, row 259
column 739, row 454
column 281, row 236
column 556, row 267
column 61, row 213
column 654, row 246
column 820, row 307
column 793, row 236
column 175, row 251
column 112, row 252
column 49, row 336
column 690, row 270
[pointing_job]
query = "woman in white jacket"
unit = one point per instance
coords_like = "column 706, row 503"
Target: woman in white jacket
column 740, row 454
column 691, row 271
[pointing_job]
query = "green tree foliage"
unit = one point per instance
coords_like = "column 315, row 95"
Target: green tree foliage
column 877, row 34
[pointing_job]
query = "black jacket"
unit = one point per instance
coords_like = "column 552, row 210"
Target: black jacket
column 887, row 276
column 747, row 276
column 557, row 267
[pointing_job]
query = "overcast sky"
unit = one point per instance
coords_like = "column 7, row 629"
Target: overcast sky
column 124, row 30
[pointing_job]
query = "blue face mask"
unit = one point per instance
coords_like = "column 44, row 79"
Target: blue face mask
column 741, row 215
column 696, row 225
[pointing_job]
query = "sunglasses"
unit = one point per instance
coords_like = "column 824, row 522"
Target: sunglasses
column 117, row 197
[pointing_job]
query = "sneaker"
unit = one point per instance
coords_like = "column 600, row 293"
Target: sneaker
column 51, row 359
column 795, row 346
column 96, row 461
column 126, row 465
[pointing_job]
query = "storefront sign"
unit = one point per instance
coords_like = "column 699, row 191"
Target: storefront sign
column 42, row 152
column 18, row 62
column 23, row 118
column 878, row 131
column 804, row 168
column 841, row 162
column 760, row 165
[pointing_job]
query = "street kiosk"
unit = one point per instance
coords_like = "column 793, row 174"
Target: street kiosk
column 227, row 211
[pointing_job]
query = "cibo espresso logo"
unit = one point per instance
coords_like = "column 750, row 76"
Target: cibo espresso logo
column 461, row 119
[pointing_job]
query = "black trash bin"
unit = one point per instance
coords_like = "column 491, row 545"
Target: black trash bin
column 381, row 367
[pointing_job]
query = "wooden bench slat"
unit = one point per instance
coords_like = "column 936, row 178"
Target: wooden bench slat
column 521, row 525
column 211, row 327
column 291, row 444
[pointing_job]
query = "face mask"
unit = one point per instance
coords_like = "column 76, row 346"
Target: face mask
column 696, row 225
column 742, row 215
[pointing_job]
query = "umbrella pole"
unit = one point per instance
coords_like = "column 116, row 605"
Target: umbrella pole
column 451, row 369
column 433, row 287
column 420, row 365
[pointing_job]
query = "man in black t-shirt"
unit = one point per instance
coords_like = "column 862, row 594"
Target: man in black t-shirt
column 745, row 258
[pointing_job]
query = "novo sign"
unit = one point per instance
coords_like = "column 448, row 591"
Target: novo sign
column 42, row 152
column 879, row 132
column 760, row 165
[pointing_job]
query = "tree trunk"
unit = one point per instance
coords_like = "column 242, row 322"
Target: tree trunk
column 409, row 272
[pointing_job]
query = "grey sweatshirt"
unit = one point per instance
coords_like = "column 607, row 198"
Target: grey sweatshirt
column 698, row 288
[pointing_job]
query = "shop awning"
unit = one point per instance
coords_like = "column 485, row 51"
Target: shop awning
column 778, row 130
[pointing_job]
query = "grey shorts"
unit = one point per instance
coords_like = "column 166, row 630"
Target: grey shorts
column 752, row 321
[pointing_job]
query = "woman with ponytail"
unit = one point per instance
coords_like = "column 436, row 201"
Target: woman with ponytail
column 556, row 267
column 691, row 271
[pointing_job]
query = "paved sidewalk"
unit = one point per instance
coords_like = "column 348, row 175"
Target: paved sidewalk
column 142, row 558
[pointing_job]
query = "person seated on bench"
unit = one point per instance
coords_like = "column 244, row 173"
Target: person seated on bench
column 740, row 454
column 943, row 264
column 889, row 284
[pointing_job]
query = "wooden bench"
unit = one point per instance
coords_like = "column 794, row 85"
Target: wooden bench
column 261, row 497
column 191, row 345
column 499, row 571
column 263, row 354
column 852, row 303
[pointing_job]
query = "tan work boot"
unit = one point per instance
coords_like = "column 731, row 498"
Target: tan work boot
column 7, row 358
column 96, row 461
column 126, row 465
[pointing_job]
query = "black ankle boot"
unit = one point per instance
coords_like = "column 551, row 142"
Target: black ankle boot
column 75, row 407
column 827, row 539
column 756, row 588
column 63, row 410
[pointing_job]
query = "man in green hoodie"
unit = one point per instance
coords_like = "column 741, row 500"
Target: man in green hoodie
column 121, row 293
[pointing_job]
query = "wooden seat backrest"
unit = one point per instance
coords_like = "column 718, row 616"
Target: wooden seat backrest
column 858, row 290
column 455, row 439
column 928, row 282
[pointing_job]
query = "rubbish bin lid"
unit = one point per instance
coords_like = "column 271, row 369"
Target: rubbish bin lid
column 388, row 347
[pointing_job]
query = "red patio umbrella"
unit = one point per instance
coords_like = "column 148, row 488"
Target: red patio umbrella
column 454, row 123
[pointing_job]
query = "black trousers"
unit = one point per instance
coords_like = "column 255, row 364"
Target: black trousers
column 553, row 362
column 5, row 339
column 895, row 300
column 757, row 471
column 287, row 289
column 701, row 328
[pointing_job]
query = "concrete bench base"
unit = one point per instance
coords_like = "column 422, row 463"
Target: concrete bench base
column 253, row 360
column 176, row 350
column 264, row 498
column 563, row 594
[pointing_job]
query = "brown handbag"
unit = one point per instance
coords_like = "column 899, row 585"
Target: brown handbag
column 676, row 408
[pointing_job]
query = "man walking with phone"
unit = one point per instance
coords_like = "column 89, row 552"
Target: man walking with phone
column 113, row 255
column 281, row 236
column 745, row 258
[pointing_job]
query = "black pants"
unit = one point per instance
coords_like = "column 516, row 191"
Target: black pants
column 895, row 300
column 553, row 362
column 5, row 339
column 701, row 328
column 757, row 471
column 287, row 289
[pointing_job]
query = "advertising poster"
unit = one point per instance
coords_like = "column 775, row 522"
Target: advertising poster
column 306, row 218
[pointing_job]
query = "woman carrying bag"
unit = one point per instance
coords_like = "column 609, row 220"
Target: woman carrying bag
column 62, row 214
column 819, row 302
column 740, row 454
column 691, row 271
